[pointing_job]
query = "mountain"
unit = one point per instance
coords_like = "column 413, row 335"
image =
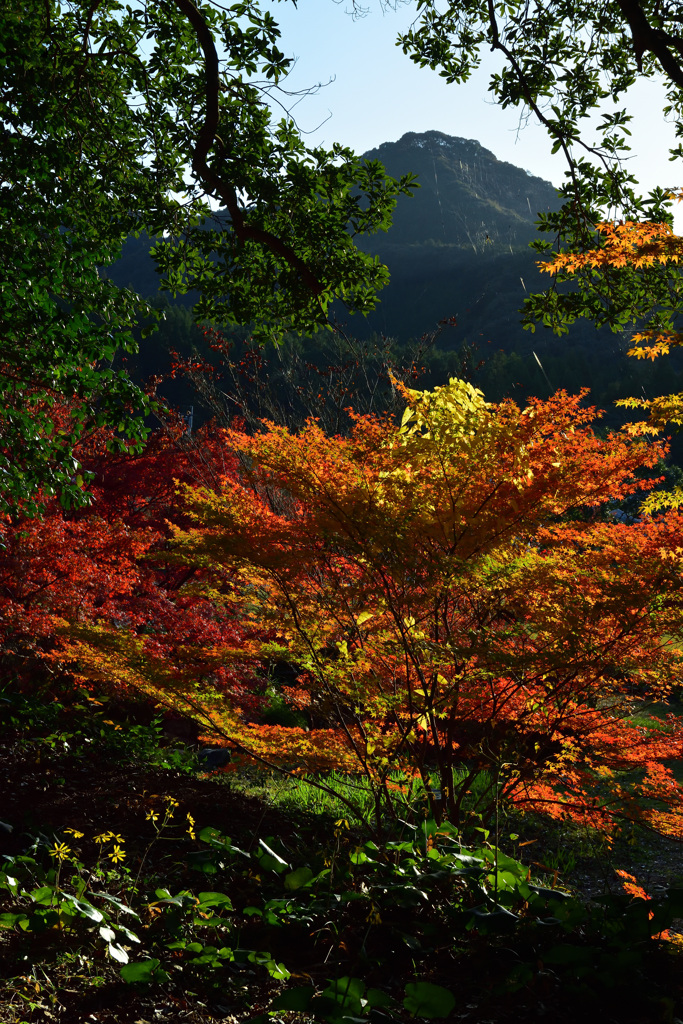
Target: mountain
column 459, row 247
column 457, row 251
column 468, row 200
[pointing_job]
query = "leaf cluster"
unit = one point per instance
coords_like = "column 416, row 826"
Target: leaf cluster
column 119, row 119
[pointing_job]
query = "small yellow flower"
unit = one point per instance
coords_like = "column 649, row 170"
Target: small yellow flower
column 108, row 837
column 190, row 827
column 117, row 854
column 75, row 833
column 152, row 816
column 171, row 801
column 60, row 851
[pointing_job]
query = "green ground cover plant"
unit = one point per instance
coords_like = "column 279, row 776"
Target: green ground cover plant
column 144, row 898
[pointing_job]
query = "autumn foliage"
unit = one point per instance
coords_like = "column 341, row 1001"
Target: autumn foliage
column 627, row 255
column 103, row 569
column 452, row 602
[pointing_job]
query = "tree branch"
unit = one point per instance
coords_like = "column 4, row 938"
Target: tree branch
column 205, row 139
column 652, row 40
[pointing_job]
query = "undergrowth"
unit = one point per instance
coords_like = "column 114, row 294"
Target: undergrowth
column 162, row 894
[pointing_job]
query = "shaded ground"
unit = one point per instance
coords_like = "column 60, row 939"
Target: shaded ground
column 44, row 789
column 93, row 795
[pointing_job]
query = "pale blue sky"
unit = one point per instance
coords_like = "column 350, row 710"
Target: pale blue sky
column 377, row 94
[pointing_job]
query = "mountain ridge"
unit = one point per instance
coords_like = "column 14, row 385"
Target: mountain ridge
column 459, row 249
column 502, row 200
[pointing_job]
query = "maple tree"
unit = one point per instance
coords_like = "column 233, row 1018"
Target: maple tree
column 456, row 603
column 104, row 567
column 635, row 257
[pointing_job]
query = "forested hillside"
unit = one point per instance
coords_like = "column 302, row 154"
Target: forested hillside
column 458, row 253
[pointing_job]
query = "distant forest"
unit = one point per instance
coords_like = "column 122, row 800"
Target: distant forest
column 460, row 266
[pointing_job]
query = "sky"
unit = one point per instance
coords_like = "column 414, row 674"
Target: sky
column 371, row 92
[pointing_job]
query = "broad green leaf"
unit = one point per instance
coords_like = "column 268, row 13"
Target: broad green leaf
column 45, row 894
column 298, row 878
column 139, row 972
column 143, row 972
column 294, row 999
column 270, row 859
column 278, row 971
column 214, row 899
column 117, row 952
column 11, row 920
column 116, row 902
column 348, row 992
column 426, row 1000
column 84, row 908
column 376, row 997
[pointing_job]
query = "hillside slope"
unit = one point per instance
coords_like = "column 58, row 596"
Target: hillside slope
column 460, row 247
column 458, row 251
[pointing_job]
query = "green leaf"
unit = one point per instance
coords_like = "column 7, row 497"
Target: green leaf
column 214, row 899
column 346, row 990
column 84, row 909
column 122, row 907
column 426, row 1000
column 45, row 894
column 11, row 920
column 298, row 878
column 213, row 837
column 277, row 971
column 493, row 922
column 117, row 952
column 165, row 897
column 549, row 894
column 294, row 999
column 143, row 972
column 377, row 998
column 269, row 860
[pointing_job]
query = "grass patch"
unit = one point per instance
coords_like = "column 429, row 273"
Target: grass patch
column 302, row 794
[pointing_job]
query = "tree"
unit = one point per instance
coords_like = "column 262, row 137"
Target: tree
column 561, row 63
column 628, row 251
column 454, row 602
column 110, row 113
column 103, row 569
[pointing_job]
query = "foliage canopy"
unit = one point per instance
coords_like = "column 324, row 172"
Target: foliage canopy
column 119, row 118
column 450, row 597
